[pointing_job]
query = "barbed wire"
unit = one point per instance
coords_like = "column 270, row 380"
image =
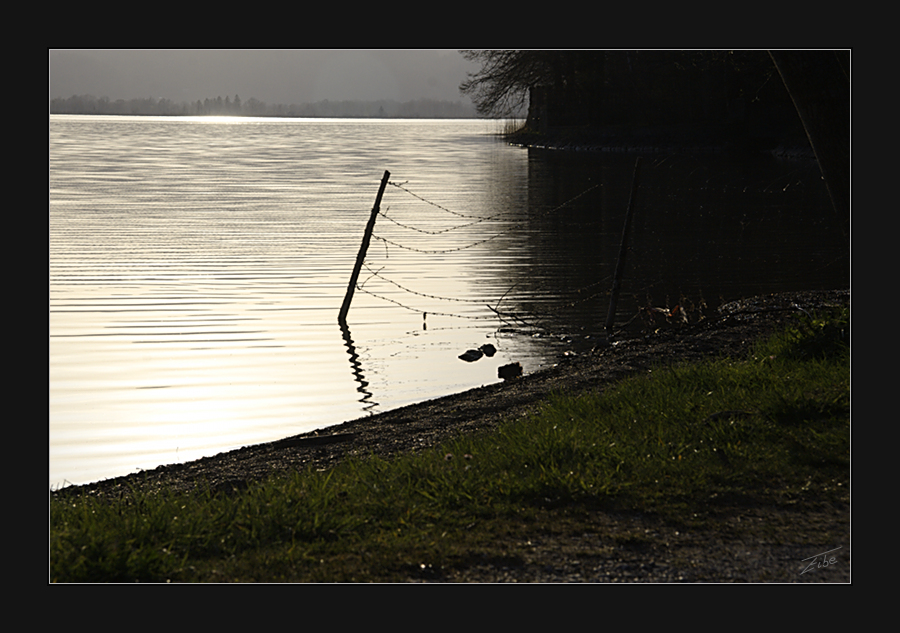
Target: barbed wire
column 562, row 304
column 421, row 311
column 421, row 294
column 521, row 316
column 573, row 199
column 478, row 220
column 539, row 305
column 434, row 204
column 427, row 232
column 528, row 317
column 437, row 252
column 506, row 317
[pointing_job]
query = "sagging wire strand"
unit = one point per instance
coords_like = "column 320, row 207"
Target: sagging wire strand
column 698, row 179
column 361, row 287
column 437, row 252
column 378, row 274
column 476, row 220
column 434, row 204
column 439, row 232
column 479, row 218
column 520, row 316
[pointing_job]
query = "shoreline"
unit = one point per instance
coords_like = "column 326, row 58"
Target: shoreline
column 737, row 326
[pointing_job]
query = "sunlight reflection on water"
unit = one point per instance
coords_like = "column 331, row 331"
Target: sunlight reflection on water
column 196, row 273
column 197, row 269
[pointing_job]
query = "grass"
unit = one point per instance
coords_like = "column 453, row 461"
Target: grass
column 772, row 426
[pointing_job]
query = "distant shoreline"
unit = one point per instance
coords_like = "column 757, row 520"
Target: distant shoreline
column 418, row 108
column 273, row 116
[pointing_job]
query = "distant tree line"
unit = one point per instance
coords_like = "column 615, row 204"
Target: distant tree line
column 419, row 108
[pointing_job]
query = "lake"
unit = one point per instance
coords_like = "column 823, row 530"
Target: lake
column 197, row 267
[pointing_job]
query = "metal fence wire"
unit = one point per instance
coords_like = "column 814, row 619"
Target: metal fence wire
column 716, row 231
column 493, row 310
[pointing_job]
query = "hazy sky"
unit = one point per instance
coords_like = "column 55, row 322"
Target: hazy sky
column 272, row 76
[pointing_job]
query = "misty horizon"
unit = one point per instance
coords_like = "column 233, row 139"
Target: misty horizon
column 418, row 108
column 273, row 77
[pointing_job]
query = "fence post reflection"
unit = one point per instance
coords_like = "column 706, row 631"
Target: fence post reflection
column 356, row 368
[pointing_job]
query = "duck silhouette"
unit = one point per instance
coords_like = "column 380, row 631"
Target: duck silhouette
column 471, row 355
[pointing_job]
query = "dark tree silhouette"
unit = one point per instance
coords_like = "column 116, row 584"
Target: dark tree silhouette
column 563, row 86
column 501, row 86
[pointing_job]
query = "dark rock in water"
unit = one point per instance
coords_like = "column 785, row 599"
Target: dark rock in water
column 488, row 349
column 471, row 355
column 508, row 372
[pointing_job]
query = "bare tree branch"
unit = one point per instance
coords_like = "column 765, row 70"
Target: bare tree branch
column 501, row 86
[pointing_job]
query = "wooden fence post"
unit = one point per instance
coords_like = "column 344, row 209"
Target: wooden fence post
column 623, row 248
column 367, row 236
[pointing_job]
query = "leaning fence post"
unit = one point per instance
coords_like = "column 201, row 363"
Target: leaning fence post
column 367, row 236
column 623, row 248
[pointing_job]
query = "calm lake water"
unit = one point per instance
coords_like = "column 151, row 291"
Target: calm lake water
column 197, row 267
